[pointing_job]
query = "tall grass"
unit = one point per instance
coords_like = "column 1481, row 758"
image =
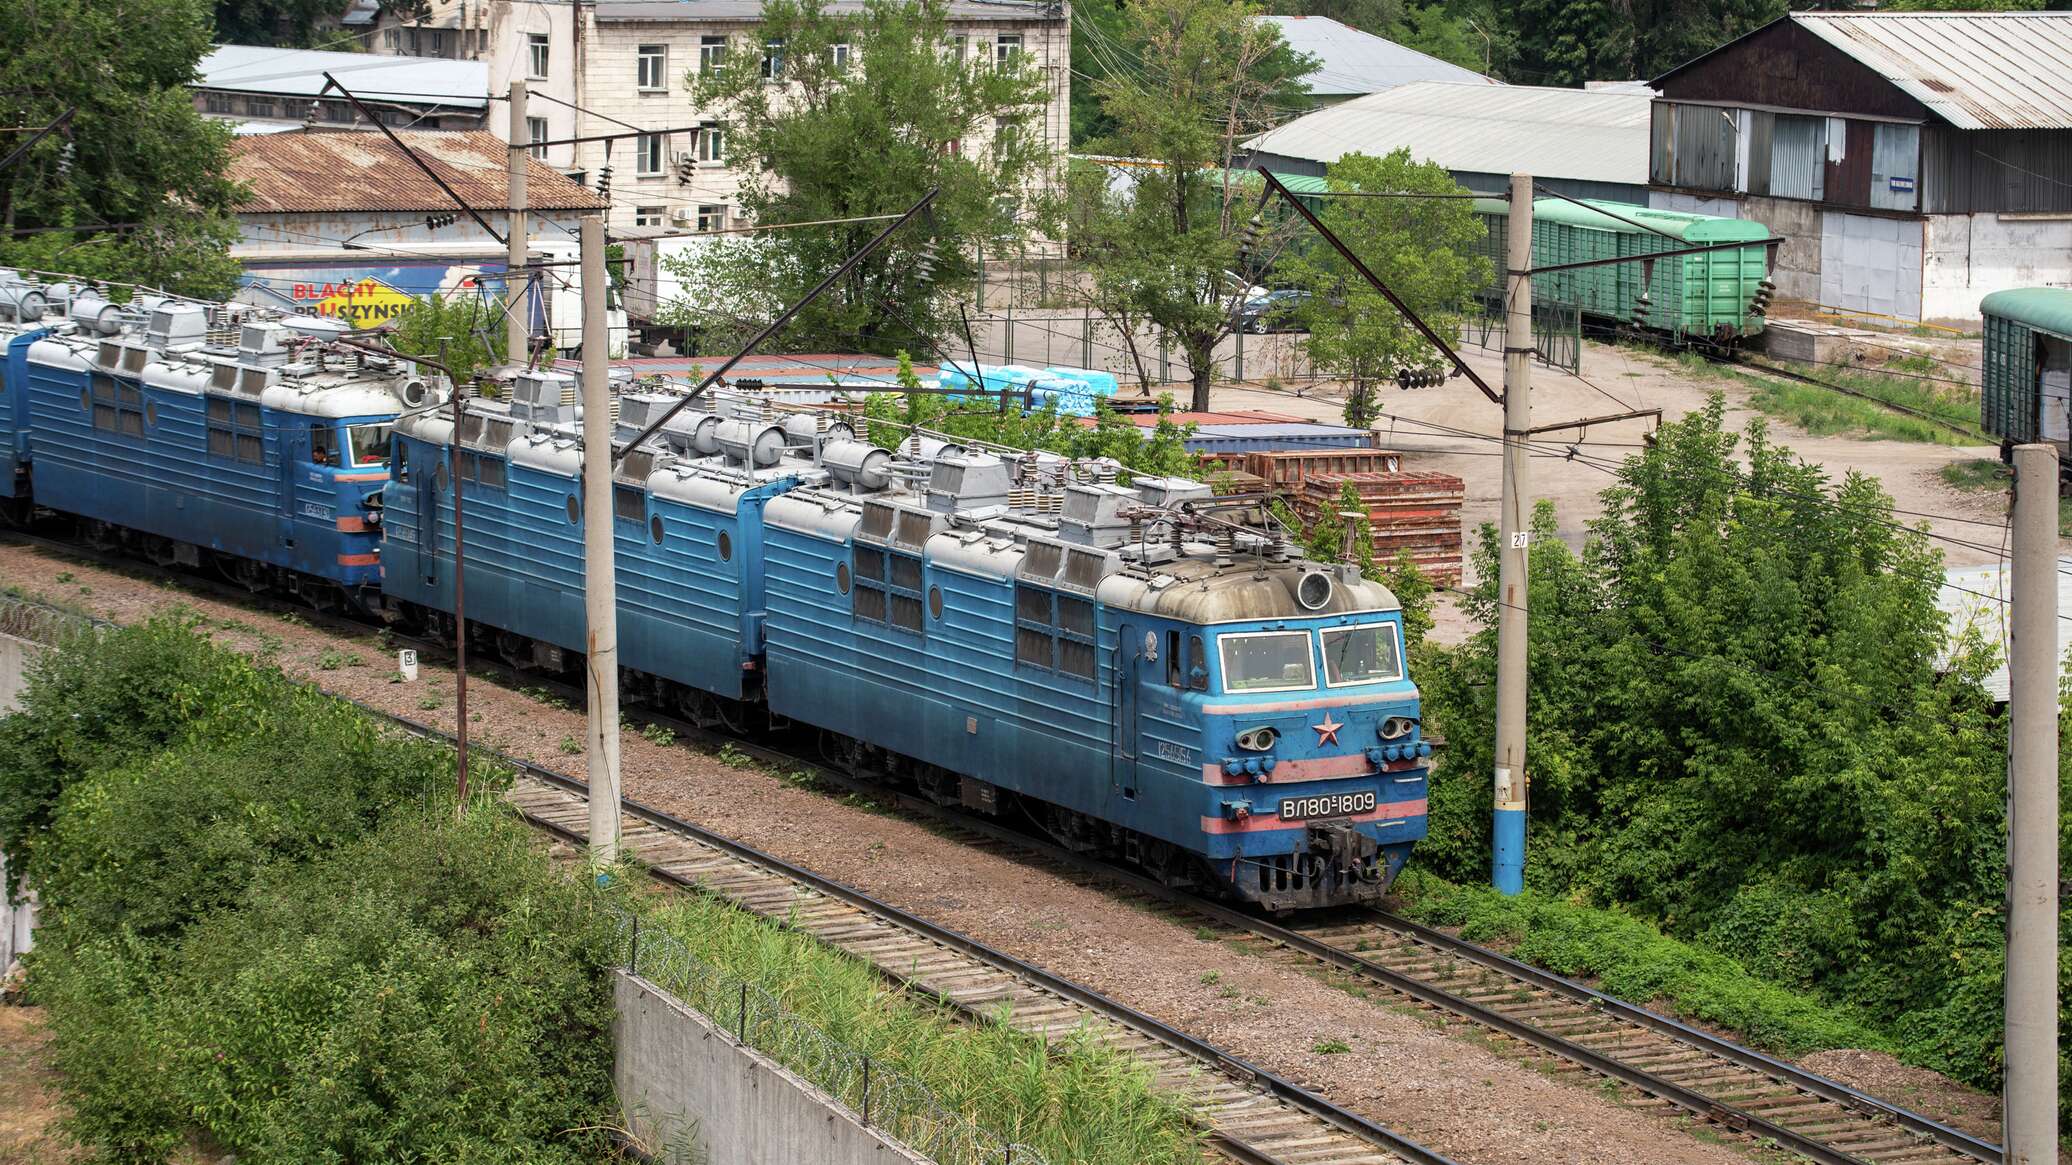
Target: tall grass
column 1825, row 412
column 1073, row 1101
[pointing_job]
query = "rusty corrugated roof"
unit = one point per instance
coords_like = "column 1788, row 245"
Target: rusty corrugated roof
column 355, row 170
column 1975, row 70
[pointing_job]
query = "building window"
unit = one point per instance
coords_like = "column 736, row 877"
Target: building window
column 887, row 588
column 393, row 38
column 712, row 218
column 648, row 216
column 259, row 107
column 958, row 47
column 712, row 142
column 712, row 54
column 235, row 431
column 338, row 111
column 1007, row 47
column 438, row 42
column 215, row 102
column 647, row 155
column 838, row 56
column 654, row 68
column 536, row 47
column 773, row 60
column 536, row 132
column 416, row 43
column 118, row 406
column 1053, row 632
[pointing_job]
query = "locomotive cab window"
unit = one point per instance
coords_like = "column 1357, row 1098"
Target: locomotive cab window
column 1197, row 664
column 1362, row 655
column 370, row 444
column 1267, row 661
column 323, row 444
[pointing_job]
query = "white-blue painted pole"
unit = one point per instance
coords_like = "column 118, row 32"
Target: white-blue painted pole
column 1514, row 526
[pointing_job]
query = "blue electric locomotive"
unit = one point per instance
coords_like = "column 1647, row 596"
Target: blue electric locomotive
column 1015, row 633
column 184, row 432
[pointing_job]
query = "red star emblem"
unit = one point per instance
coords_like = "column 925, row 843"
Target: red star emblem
column 1327, row 732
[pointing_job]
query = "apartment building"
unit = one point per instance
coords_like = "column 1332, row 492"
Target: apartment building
column 601, row 67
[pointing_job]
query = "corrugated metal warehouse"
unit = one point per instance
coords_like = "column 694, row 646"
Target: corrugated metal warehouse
column 1915, row 161
column 1351, row 63
column 1579, row 142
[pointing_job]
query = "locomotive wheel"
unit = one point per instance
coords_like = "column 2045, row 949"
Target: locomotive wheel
column 842, row 752
column 513, row 649
column 242, row 571
column 99, row 536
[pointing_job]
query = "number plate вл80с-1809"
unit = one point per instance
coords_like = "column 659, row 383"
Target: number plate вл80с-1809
column 1327, row 805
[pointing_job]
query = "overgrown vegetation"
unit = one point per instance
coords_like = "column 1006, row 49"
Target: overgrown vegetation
column 267, row 933
column 1825, row 412
column 1076, row 1102
column 1745, row 730
column 1988, row 475
column 1160, row 450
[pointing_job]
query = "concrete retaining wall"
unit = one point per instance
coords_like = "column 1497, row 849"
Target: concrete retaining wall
column 17, row 919
column 689, row 1092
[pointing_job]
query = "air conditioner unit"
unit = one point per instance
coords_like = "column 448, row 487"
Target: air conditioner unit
column 683, row 216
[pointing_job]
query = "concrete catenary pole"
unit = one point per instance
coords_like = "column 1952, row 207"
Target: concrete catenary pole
column 1507, row 862
column 517, row 281
column 600, row 590
column 2030, row 1105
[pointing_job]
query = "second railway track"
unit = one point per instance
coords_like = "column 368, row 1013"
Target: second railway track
column 1735, row 1087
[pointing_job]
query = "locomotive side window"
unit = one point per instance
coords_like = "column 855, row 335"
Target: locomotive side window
column 1174, row 672
column 118, row 406
column 886, row 588
column 401, row 472
column 235, row 432
column 322, row 442
column 1054, row 632
column 481, row 470
column 628, row 504
column 1198, row 671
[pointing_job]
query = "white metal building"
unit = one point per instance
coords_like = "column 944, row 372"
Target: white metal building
column 1351, row 63
column 1582, row 143
column 269, row 89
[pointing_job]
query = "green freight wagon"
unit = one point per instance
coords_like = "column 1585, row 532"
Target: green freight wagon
column 2027, row 394
column 1712, row 296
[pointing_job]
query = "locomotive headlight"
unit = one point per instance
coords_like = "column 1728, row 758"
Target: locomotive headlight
column 1257, row 739
column 1397, row 727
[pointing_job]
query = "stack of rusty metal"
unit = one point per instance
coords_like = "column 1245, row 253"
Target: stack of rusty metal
column 1414, row 513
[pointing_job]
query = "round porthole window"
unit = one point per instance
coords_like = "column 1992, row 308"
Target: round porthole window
column 842, row 577
column 935, row 602
column 655, row 528
column 575, row 509
column 726, row 547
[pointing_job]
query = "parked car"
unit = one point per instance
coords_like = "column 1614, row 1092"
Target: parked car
column 1274, row 311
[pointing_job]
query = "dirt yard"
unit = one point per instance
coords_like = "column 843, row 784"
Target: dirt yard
column 1617, row 380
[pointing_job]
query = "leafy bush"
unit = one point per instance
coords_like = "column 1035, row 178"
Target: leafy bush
column 432, row 991
column 103, row 698
column 1749, row 727
column 267, row 933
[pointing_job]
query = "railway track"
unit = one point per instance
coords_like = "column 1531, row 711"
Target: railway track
column 1251, row 1115
column 1735, row 1087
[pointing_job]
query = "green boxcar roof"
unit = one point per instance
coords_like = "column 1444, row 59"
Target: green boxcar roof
column 1598, row 215
column 2047, row 309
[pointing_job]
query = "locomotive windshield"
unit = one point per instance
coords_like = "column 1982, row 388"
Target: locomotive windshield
column 1362, row 655
column 370, row 444
column 1268, row 661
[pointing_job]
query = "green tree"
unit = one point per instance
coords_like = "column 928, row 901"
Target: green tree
column 1208, row 77
column 293, row 23
column 470, row 329
column 873, row 110
column 1419, row 247
column 133, row 188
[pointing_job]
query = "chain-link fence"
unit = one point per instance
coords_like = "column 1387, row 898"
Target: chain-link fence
column 884, row 1097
